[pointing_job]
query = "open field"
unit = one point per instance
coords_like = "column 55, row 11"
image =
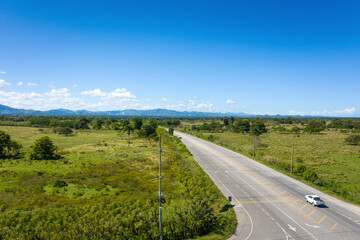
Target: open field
column 109, row 192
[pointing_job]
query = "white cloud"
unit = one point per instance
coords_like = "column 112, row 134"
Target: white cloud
column 3, row 83
column 117, row 93
column 164, row 99
column 56, row 98
column 32, row 84
column 346, row 111
column 61, row 92
column 20, row 83
column 147, row 100
column 2, row 72
column 75, row 85
column 230, row 101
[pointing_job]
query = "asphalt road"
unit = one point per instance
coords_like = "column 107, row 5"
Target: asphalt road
column 271, row 205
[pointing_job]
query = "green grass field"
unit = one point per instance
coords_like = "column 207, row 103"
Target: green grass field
column 110, row 192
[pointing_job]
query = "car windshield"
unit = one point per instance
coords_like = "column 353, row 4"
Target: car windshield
column 316, row 198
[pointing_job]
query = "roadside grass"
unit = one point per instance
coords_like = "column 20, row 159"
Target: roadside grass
column 108, row 190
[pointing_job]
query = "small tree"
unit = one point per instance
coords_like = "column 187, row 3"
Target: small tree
column 64, row 131
column 8, row 146
column 97, row 123
column 315, row 126
column 171, row 131
column 137, row 123
column 128, row 128
column 43, row 149
column 258, row 127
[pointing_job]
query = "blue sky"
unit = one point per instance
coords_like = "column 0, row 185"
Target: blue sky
column 267, row 57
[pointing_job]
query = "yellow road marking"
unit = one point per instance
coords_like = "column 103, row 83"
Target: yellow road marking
column 295, row 201
column 258, row 177
column 311, row 213
column 302, row 207
column 265, row 182
column 274, row 189
column 267, row 201
column 334, row 226
column 287, row 197
column 282, row 193
column 262, row 180
column 321, row 219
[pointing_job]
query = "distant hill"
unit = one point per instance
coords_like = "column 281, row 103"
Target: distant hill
column 5, row 110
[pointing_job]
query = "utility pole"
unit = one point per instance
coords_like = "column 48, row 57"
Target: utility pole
column 160, row 192
column 292, row 158
column 254, row 145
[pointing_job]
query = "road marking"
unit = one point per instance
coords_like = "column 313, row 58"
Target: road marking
column 265, row 182
column 287, row 197
column 270, row 186
column 287, row 235
column 302, row 207
column 334, row 226
column 297, row 200
column 321, row 220
column 313, row 226
column 274, row 189
column 282, row 193
column 311, row 213
column 292, row 228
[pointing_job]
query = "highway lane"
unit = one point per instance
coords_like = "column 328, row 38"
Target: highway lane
column 271, row 205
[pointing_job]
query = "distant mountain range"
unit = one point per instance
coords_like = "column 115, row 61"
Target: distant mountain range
column 5, row 110
column 9, row 111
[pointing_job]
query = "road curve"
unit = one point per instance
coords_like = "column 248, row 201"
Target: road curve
column 269, row 204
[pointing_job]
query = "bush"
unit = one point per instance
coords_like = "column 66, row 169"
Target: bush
column 43, row 149
column 171, row 131
column 64, row 131
column 8, row 146
column 300, row 169
column 353, row 139
column 60, row 183
column 310, row 175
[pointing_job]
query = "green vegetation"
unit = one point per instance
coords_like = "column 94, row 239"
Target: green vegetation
column 43, row 149
column 103, row 189
column 327, row 151
column 8, row 147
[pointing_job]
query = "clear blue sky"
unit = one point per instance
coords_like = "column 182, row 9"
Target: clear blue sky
column 275, row 57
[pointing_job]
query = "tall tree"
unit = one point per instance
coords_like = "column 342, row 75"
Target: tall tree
column 127, row 128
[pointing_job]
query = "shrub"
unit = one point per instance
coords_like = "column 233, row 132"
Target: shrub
column 310, row 175
column 64, row 131
column 60, row 183
column 8, row 146
column 300, row 169
column 43, row 149
column 171, row 131
column 353, row 139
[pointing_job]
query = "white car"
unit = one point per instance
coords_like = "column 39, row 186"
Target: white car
column 314, row 200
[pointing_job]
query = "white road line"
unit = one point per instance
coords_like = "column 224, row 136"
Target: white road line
column 276, row 207
column 251, row 221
